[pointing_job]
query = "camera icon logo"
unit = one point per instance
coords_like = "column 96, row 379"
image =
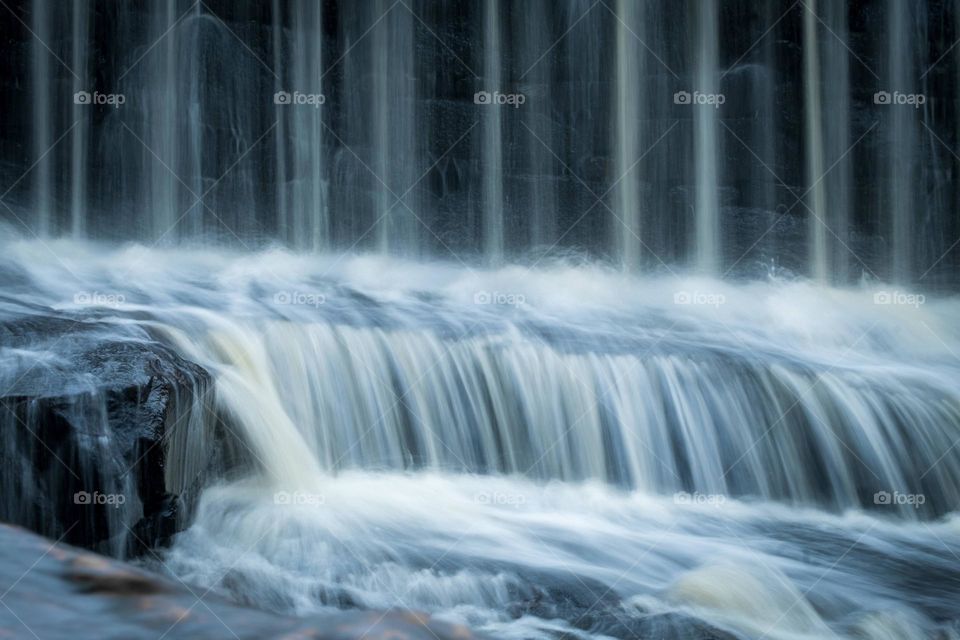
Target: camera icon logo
column 482, row 297
column 81, row 97
column 682, row 97
column 281, row 297
column 281, row 97
column 281, row 497
column 881, row 97
column 81, row 497
column 882, row 497
column 882, row 297
column 482, row 97
column 682, row 297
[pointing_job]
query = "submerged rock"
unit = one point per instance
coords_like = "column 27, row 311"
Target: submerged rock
column 595, row 608
column 103, row 437
column 61, row 592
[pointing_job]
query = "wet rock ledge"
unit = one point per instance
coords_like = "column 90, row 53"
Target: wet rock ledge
column 57, row 591
column 105, row 434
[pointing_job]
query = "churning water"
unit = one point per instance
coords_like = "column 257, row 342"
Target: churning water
column 554, row 450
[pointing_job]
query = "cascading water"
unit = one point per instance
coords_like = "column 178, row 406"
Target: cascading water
column 706, row 142
column 492, row 149
column 560, row 320
column 80, row 24
column 836, row 141
column 284, row 214
column 815, row 163
column 536, row 76
column 627, row 213
column 762, row 135
column 397, row 163
column 309, row 227
column 165, row 137
column 901, row 200
column 369, row 152
column 400, row 422
column 43, row 184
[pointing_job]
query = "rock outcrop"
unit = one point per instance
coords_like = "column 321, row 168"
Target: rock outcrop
column 104, row 433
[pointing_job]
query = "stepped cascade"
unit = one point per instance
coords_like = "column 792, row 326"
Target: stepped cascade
column 549, row 319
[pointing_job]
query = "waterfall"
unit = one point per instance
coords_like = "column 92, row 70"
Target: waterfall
column 707, row 242
column 498, row 404
column 188, row 119
column 310, row 228
column 535, row 72
column 44, row 186
column 396, row 143
column 280, row 131
column 382, row 107
column 626, row 134
column 524, row 384
column 492, row 146
column 507, row 312
column 80, row 26
column 409, row 429
column 165, row 132
column 375, row 161
column 902, row 202
column 838, row 181
column 815, row 165
column 766, row 135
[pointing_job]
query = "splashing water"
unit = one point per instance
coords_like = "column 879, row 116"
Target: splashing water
column 563, row 450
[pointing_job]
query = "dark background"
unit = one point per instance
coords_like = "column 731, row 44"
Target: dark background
column 227, row 53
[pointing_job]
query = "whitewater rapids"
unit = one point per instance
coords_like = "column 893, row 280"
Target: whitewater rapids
column 553, row 451
column 523, row 560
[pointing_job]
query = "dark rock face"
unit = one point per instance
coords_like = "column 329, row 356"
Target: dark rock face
column 61, row 592
column 103, row 436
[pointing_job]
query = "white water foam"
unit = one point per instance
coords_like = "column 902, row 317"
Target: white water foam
column 658, row 423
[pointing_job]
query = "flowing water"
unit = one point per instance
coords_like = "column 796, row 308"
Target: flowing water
column 559, row 450
column 561, row 319
column 383, row 144
column 627, row 142
column 706, row 153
